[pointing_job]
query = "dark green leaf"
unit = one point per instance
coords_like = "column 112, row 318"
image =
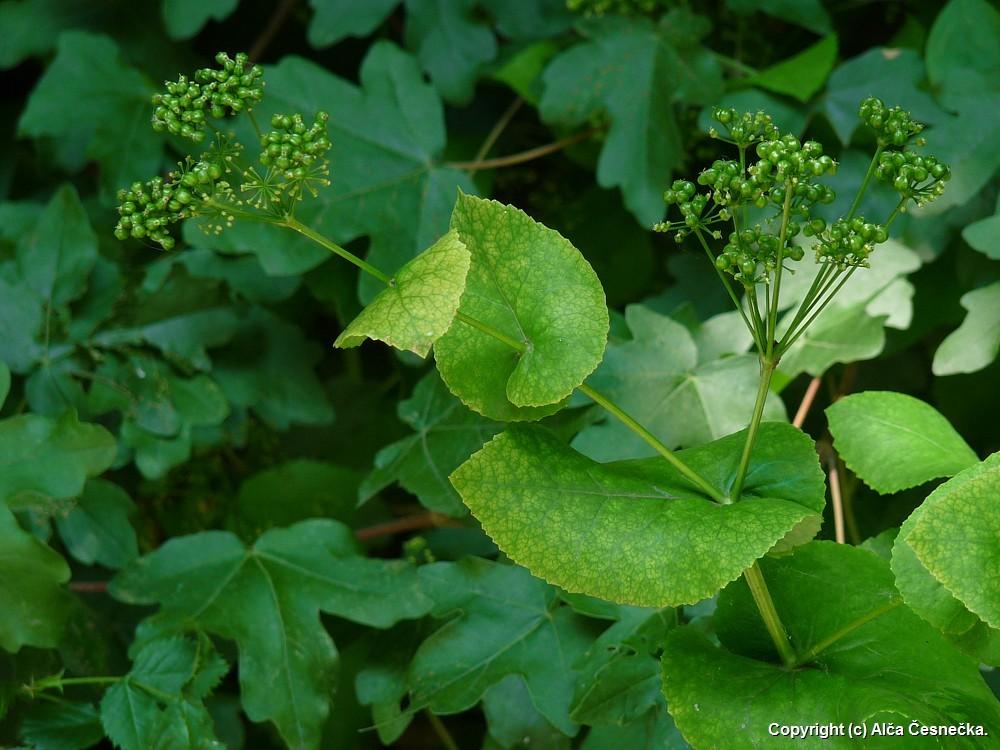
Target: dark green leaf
column 451, row 44
column 97, row 529
column 62, row 726
column 445, row 435
column 336, row 19
column 504, row 622
column 801, row 75
column 634, row 71
column 184, row 18
column 267, row 598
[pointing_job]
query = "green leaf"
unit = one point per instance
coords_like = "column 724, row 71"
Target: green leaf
column 926, row 596
column 50, row 457
column 522, row 71
column 875, row 660
column 619, row 676
column 269, row 368
column 974, row 344
column 969, row 148
column 532, row 285
column 58, row 255
column 514, row 721
column 185, row 18
column 97, row 529
column 4, row 383
column 636, row 532
column 656, row 378
column 164, row 671
column 21, row 317
column 110, row 106
column 30, row 27
column 984, row 236
column 381, row 682
column 893, row 441
column 894, row 75
column 267, row 599
column 809, row 14
column 308, row 489
column 654, row 731
column 634, row 71
column 962, row 53
column 419, row 304
column 451, row 44
column 801, row 75
column 334, row 20
column 390, row 184
column 445, row 435
column 504, row 622
column 62, row 726
column 36, row 606
column 954, row 535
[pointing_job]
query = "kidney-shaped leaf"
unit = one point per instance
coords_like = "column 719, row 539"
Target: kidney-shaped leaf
column 637, row 532
column 267, row 598
column 956, row 535
column 894, row 441
column 867, row 658
column 529, row 283
column 420, row 302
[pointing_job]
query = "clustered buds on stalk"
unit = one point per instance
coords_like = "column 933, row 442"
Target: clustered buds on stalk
column 769, row 203
column 187, row 103
column 293, row 157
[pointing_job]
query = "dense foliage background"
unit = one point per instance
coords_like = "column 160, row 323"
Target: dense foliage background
column 149, row 396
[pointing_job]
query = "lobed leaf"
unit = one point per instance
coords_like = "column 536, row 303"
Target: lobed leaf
column 637, row 532
column 267, row 598
column 975, row 343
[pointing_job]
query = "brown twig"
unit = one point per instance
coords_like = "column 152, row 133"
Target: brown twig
column 88, row 587
column 836, row 499
column 807, row 401
column 497, row 129
column 406, row 523
column 272, row 27
column 523, row 156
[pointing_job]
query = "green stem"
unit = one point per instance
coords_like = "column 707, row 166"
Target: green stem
column 772, row 314
column 491, row 331
column 755, row 314
column 864, row 183
column 441, row 730
column 319, row 239
column 57, row 682
column 895, row 213
column 729, row 287
column 850, row 627
column 785, row 345
column 651, row 439
column 520, row 346
column 256, row 127
column 766, row 371
column 765, row 604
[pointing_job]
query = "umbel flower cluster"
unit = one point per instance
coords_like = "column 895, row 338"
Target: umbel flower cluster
column 758, row 207
column 216, row 185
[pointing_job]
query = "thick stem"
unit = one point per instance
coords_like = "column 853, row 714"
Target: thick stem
column 807, row 401
column 765, row 604
column 333, row 247
column 654, row 442
column 864, row 183
column 766, row 371
column 833, row 476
